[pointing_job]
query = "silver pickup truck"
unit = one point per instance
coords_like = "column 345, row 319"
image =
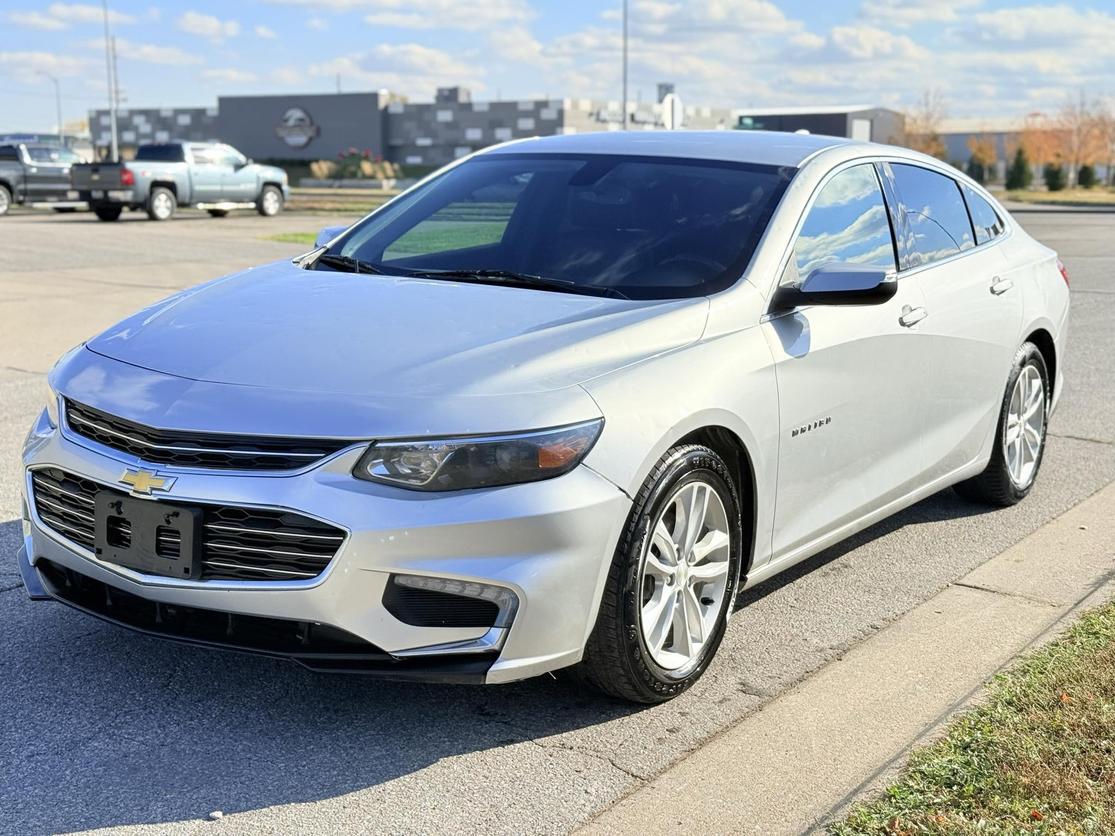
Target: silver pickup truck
column 166, row 175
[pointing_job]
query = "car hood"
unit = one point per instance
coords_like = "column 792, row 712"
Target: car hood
column 281, row 327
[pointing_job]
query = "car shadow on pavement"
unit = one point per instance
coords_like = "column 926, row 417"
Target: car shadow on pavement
column 107, row 728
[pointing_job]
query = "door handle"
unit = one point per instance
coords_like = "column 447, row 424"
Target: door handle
column 1000, row 286
column 912, row 316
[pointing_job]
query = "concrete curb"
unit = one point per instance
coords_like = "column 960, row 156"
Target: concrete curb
column 798, row 762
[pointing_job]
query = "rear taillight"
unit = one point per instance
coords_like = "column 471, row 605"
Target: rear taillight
column 127, row 178
column 1064, row 271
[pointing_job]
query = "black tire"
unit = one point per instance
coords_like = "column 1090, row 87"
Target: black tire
column 64, row 210
column 5, row 199
column 616, row 659
column 270, row 201
column 995, row 486
column 161, row 204
column 217, row 213
column 108, row 213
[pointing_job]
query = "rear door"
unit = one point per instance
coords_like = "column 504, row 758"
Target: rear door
column 206, row 174
column 974, row 313
column 849, row 377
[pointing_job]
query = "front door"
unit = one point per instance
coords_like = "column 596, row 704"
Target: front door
column 849, row 377
column 238, row 180
column 206, row 174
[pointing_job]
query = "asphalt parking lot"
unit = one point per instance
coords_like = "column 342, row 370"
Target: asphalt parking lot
column 105, row 729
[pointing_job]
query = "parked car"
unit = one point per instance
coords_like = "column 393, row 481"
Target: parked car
column 554, row 406
column 164, row 176
column 36, row 174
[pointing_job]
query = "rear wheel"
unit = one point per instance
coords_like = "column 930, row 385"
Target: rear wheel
column 64, row 210
column 161, row 204
column 5, row 200
column 672, row 581
column 108, row 213
column 1020, row 437
column 270, row 202
column 217, row 213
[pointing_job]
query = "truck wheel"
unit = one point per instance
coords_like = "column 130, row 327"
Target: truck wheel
column 64, row 210
column 217, row 213
column 108, row 213
column 270, row 202
column 161, row 204
column 5, row 200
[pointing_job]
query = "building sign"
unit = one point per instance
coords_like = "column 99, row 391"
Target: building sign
column 296, row 128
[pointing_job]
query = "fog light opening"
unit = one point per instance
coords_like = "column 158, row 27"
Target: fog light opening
column 506, row 600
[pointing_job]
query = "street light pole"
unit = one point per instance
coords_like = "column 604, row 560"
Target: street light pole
column 57, row 101
column 111, row 86
column 624, row 116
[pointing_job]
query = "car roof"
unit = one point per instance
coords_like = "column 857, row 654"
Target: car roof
column 762, row 147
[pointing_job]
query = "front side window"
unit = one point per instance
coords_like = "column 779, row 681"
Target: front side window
column 57, row 156
column 937, row 223
column 641, row 227
column 985, row 219
column 847, row 224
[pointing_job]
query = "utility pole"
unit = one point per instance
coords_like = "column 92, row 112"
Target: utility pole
column 109, row 62
column 624, row 116
column 57, row 101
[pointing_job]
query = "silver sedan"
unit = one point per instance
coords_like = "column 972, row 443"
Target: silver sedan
column 551, row 408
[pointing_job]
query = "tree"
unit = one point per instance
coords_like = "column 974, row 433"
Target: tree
column 1078, row 131
column 1086, row 177
column 984, row 154
column 1055, row 179
column 976, row 170
column 923, row 125
column 1105, row 133
column 1040, row 139
column 1020, row 175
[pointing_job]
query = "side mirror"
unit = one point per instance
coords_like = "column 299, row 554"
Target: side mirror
column 327, row 235
column 839, row 284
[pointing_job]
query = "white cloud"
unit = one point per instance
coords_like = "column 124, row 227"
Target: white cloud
column 35, row 20
column 265, row 32
column 412, row 69
column 864, row 43
column 87, row 13
column 427, row 14
column 229, row 75
column 320, row 24
column 287, row 76
column 1044, row 25
column 207, row 26
column 149, row 53
column 28, row 66
column 903, row 13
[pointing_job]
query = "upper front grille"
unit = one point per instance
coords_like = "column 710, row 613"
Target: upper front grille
column 206, row 450
column 237, row 543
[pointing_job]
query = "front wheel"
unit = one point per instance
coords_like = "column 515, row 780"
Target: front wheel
column 270, row 202
column 672, row 581
column 1020, row 437
column 161, row 204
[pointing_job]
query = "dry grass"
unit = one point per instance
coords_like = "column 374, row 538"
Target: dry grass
column 1038, row 756
column 1099, row 196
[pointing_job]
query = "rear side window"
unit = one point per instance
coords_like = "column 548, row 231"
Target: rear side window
column 847, row 224
column 985, row 219
column 8, row 152
column 160, row 153
column 937, row 223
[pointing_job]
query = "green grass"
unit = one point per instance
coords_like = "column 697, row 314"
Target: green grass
column 306, row 238
column 1037, row 756
column 1099, row 196
column 428, row 237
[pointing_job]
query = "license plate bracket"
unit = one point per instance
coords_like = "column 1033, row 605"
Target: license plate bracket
column 152, row 537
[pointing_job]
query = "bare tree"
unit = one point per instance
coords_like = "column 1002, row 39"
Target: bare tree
column 923, row 124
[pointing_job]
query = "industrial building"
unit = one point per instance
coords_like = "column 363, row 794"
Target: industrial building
column 323, row 126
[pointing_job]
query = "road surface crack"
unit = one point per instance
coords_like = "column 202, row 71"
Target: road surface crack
column 599, row 756
column 1081, row 438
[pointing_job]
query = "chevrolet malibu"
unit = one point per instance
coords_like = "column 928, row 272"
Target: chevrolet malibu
column 551, row 408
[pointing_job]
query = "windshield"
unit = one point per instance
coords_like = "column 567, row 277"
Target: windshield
column 168, row 153
column 640, row 227
column 46, row 154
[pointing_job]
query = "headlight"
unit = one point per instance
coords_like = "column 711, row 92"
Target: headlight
column 453, row 464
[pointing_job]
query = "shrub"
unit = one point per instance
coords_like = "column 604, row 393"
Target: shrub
column 1019, row 175
column 1054, row 177
column 977, row 170
column 1086, row 177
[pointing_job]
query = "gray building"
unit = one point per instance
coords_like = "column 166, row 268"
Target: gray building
column 321, row 126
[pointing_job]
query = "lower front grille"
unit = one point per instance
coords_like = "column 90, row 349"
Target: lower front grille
column 237, row 543
column 430, row 608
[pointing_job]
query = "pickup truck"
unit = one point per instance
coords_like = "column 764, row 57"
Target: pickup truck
column 33, row 174
column 166, row 175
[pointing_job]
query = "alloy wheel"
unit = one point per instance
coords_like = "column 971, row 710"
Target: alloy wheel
column 1025, row 428
column 684, row 575
column 271, row 202
column 161, row 205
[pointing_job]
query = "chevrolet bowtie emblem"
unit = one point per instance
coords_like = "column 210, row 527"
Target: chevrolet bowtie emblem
column 145, row 482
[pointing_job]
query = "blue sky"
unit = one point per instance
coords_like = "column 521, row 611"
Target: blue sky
column 987, row 58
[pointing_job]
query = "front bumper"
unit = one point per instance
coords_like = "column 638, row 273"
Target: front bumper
column 549, row 542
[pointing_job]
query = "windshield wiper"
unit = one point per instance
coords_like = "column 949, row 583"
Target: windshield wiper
column 347, row 263
column 511, row 278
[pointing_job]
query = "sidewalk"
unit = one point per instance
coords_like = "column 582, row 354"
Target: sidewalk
column 795, row 764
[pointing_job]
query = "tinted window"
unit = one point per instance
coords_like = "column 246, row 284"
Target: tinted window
column 47, row 154
column 161, row 153
column 847, row 223
column 936, row 217
column 8, row 152
column 648, row 227
column 985, row 219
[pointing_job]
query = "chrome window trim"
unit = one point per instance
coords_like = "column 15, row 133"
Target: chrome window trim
column 175, row 583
